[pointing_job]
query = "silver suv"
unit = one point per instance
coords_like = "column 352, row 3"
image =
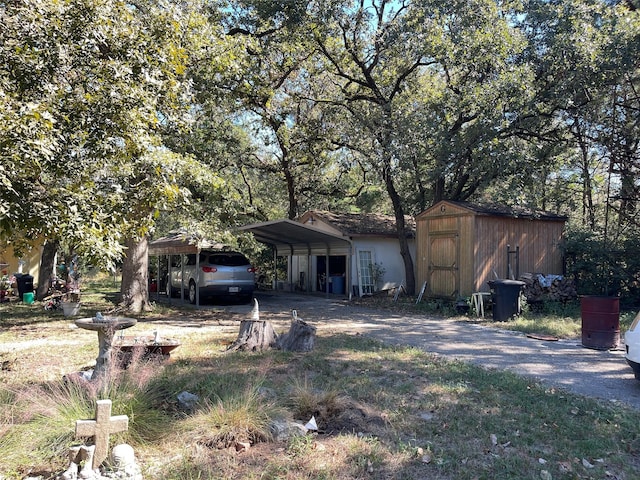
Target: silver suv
column 222, row 274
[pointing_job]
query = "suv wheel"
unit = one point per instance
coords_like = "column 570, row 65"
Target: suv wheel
column 192, row 292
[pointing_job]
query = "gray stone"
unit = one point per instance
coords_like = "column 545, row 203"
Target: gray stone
column 283, row 430
column 187, row 401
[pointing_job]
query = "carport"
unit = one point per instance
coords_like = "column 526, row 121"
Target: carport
column 179, row 243
column 289, row 238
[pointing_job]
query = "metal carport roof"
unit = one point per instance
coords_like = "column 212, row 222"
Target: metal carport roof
column 289, row 237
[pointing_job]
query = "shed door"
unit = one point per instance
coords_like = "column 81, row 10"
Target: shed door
column 444, row 259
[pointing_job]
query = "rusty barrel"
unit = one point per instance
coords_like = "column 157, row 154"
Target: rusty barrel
column 600, row 321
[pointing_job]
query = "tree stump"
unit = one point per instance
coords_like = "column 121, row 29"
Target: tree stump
column 255, row 335
column 300, row 337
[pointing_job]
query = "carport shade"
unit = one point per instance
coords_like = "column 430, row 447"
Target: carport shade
column 294, row 238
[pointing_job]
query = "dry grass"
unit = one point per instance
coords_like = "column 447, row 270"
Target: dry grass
column 383, row 412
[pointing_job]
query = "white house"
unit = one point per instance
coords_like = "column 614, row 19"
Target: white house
column 338, row 253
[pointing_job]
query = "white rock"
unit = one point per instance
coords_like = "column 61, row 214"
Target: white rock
column 545, row 475
column 586, row 463
column 122, row 456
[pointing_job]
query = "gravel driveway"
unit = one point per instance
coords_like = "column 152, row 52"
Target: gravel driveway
column 565, row 363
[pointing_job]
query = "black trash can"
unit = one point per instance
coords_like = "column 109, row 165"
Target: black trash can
column 24, row 283
column 505, row 298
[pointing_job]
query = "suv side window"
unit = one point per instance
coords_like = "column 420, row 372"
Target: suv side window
column 191, row 259
column 175, row 261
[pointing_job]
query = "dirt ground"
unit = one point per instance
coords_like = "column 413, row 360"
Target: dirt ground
column 563, row 364
column 566, row 364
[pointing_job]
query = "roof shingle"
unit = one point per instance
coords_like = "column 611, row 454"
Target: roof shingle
column 358, row 224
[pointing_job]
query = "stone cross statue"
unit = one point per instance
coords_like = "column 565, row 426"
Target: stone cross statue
column 100, row 429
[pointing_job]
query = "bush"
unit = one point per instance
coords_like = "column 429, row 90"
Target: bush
column 603, row 268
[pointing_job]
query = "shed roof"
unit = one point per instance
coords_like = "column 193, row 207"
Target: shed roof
column 361, row 224
column 497, row 210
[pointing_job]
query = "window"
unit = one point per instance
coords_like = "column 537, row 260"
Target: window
column 365, row 272
column 176, row 261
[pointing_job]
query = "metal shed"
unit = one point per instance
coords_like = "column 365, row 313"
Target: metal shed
column 461, row 246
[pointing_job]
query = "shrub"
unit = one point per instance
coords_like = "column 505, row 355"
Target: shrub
column 603, row 268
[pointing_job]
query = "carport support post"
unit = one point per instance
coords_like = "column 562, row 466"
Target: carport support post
column 169, row 278
column 290, row 270
column 158, row 278
column 275, row 269
column 307, row 281
column 182, row 258
column 326, row 273
column 349, row 273
column 197, row 277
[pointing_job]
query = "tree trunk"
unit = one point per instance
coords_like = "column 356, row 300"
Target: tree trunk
column 300, row 337
column 396, row 201
column 401, row 231
column 135, row 276
column 47, row 264
column 255, row 335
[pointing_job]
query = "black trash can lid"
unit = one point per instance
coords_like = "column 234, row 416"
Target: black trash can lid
column 506, row 282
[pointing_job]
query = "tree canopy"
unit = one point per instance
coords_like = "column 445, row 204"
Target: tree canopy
column 119, row 119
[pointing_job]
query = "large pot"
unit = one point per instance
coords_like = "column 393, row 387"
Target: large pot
column 70, row 309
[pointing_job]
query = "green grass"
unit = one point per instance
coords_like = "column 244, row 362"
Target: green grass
column 384, row 412
column 559, row 319
column 450, row 409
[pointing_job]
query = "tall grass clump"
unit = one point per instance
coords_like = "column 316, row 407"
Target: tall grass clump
column 140, row 392
column 235, row 416
column 38, row 421
column 558, row 326
column 12, row 415
column 45, row 424
column 7, row 411
column 305, row 401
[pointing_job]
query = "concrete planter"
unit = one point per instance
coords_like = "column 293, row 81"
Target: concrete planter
column 70, row 309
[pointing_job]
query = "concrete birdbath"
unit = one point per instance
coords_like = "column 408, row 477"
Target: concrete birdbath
column 106, row 326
